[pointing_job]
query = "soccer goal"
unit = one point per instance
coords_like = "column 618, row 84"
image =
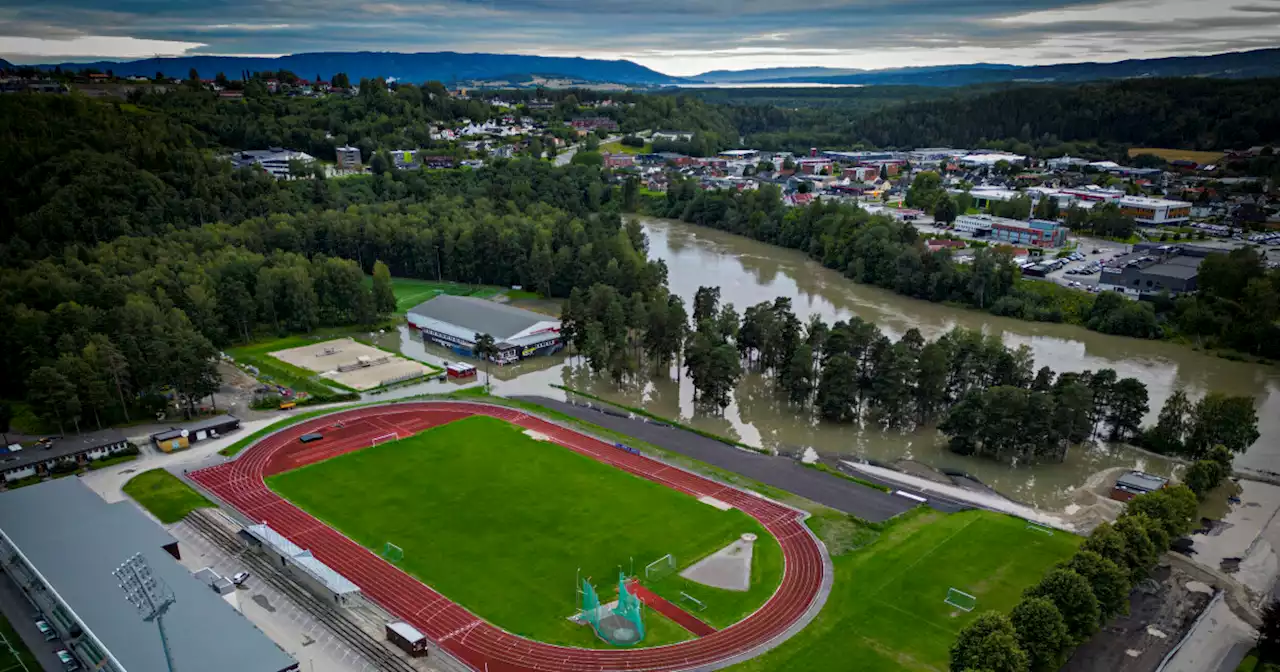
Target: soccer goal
column 1042, row 529
column 692, row 602
column 961, row 600
column 392, row 553
column 384, row 438
column 660, row 567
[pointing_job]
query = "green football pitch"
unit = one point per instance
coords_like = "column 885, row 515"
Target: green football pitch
column 888, row 610
column 502, row 523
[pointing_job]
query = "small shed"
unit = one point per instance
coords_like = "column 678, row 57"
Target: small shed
column 181, row 438
column 1134, row 483
column 407, row 638
column 460, row 370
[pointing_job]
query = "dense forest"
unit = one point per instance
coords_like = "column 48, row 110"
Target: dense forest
column 138, row 255
column 1238, row 304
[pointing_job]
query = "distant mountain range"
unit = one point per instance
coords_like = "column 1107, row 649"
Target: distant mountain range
column 1238, row 65
column 447, row 66
column 444, row 66
column 5, row 64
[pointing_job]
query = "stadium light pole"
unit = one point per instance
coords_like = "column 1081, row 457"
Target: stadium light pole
column 149, row 595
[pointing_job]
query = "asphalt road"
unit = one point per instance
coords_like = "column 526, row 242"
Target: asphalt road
column 780, row 472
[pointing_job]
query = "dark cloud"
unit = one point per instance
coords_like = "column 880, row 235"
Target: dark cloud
column 679, row 32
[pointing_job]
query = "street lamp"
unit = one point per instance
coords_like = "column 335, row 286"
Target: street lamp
column 148, row 594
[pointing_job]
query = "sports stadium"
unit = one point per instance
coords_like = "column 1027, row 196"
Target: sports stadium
column 516, row 544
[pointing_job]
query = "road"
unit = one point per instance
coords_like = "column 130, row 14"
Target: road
column 780, row 472
column 563, row 158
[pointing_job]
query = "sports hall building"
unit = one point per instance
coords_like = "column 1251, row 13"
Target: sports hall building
column 455, row 322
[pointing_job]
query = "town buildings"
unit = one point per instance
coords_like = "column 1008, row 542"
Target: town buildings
column 1155, row 211
column 1152, row 269
column 277, row 161
column 61, row 452
column 348, row 157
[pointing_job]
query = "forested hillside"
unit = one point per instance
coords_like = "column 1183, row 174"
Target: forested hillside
column 131, row 259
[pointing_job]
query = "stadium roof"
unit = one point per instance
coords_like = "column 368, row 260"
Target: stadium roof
column 74, row 540
column 321, row 572
column 466, row 317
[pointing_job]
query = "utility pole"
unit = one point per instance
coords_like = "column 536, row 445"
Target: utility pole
column 149, row 595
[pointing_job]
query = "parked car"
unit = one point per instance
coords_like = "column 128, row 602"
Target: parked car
column 240, row 578
column 68, row 662
column 46, row 630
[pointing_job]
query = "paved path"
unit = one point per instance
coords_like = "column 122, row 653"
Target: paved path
column 780, row 472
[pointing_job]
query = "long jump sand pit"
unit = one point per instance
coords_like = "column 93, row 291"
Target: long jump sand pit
column 352, row 363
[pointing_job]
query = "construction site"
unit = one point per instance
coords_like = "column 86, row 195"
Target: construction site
column 354, row 364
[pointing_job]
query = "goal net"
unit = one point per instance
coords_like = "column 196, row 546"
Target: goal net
column 961, row 600
column 691, row 602
column 392, row 553
column 1037, row 527
column 660, row 568
column 384, row 438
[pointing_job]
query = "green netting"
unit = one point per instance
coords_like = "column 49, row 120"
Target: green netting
column 621, row 626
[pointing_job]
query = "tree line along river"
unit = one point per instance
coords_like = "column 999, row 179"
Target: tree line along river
column 749, row 272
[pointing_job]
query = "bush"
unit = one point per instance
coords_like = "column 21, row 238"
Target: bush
column 632, row 141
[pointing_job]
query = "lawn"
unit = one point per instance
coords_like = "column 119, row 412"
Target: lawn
column 14, row 654
column 619, row 148
column 411, row 291
column 1176, row 154
column 165, row 495
column 502, row 523
column 887, row 611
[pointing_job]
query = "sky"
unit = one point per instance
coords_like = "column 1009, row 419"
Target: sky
column 677, row 37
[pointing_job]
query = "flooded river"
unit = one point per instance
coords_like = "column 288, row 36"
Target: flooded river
column 749, row 272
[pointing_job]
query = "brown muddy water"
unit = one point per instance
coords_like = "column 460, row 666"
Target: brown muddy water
column 749, row 272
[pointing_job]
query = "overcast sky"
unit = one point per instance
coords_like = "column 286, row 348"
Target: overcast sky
column 679, row 37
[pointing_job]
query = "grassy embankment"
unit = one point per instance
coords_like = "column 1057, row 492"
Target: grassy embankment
column 165, row 495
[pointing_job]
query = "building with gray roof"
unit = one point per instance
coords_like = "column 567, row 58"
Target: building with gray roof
column 60, row 543
column 1152, row 271
column 47, row 454
column 302, row 566
column 457, row 321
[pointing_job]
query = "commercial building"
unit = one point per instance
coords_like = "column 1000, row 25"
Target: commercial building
column 60, row 544
column 673, row 136
column 1134, row 483
column 275, row 160
column 303, row 567
column 457, row 321
column 739, row 154
column 48, row 454
column 348, row 157
column 1155, row 211
column 1152, row 270
column 593, row 123
column 978, row 226
column 1036, row 232
column 181, row 438
column 990, row 159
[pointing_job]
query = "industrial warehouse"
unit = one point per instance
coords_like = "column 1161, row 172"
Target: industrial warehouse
column 455, row 322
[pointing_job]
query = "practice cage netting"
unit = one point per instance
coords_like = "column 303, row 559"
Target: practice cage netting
column 622, row 625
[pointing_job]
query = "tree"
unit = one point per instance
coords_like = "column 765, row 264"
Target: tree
column 52, row 397
column 1222, row 420
column 1172, row 508
column 1140, row 552
column 1071, row 594
column 988, row 643
column 486, row 350
column 945, row 210
column 340, row 81
column 1172, row 426
column 1127, row 408
column 1269, row 634
column 1109, row 581
column 1204, row 476
column 384, row 295
column 1042, row 633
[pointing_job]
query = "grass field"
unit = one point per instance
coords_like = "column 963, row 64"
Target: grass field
column 1176, row 154
column 502, row 523
column 411, row 291
column 887, row 609
column 14, row 655
column 164, row 495
column 619, row 148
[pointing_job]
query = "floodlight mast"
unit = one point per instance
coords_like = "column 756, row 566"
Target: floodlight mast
column 149, row 595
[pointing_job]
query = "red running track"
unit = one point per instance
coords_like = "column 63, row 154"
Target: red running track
column 664, row 606
column 239, row 483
